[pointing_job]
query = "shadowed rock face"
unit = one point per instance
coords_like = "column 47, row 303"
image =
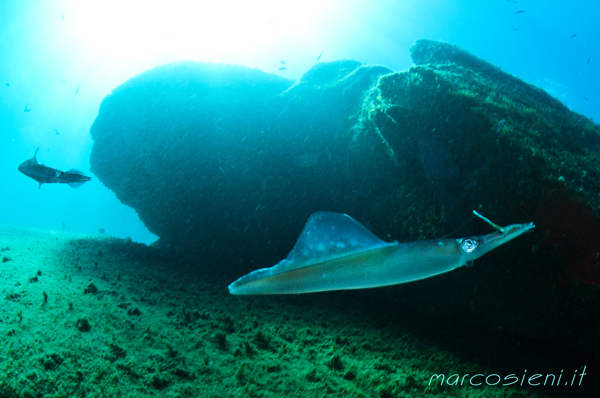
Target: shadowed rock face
column 226, row 163
column 223, row 161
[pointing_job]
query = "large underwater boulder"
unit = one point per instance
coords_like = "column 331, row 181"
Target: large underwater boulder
column 228, row 163
column 225, row 164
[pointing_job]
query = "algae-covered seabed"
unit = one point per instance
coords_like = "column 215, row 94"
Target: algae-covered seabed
column 154, row 329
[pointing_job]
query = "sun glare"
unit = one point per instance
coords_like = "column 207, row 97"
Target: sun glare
column 195, row 30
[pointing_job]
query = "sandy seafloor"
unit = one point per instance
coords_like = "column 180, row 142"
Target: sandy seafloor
column 157, row 330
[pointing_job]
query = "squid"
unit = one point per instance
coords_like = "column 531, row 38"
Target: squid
column 336, row 252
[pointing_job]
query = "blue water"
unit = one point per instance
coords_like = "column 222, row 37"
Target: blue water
column 61, row 58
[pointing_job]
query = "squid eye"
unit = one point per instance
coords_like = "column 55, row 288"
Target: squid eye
column 468, row 245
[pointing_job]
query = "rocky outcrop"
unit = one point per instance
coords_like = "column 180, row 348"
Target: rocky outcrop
column 226, row 164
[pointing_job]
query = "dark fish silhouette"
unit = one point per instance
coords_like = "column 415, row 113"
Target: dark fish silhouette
column 589, row 58
column 283, row 68
column 573, row 35
column 47, row 175
column 57, row 133
column 282, row 62
column 319, row 57
column 520, row 12
column 26, row 108
column 76, row 91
